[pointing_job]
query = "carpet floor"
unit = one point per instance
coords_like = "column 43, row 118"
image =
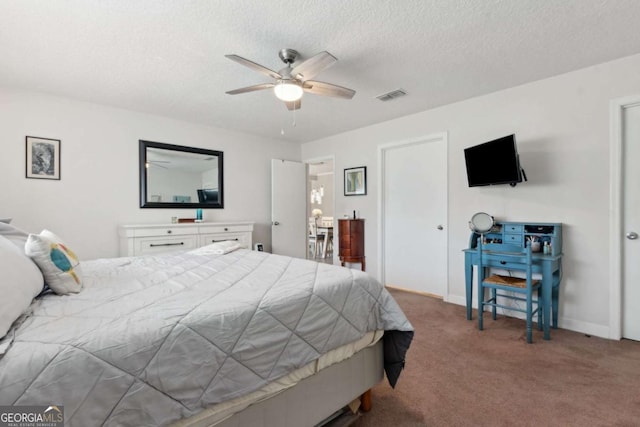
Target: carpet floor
column 456, row 375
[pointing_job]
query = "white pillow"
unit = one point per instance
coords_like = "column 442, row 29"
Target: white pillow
column 59, row 265
column 15, row 235
column 21, row 282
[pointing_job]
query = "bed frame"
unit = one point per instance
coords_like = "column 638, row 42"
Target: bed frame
column 314, row 399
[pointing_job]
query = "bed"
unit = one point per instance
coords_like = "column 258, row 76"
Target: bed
column 205, row 337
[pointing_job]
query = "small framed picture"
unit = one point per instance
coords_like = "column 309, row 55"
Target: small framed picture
column 355, row 181
column 43, row 158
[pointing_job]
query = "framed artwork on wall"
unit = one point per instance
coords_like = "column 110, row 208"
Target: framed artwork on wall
column 355, row 181
column 43, row 158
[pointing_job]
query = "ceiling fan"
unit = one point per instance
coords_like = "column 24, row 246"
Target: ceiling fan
column 157, row 163
column 292, row 81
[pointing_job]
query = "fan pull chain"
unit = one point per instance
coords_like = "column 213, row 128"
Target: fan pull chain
column 294, row 116
column 293, row 122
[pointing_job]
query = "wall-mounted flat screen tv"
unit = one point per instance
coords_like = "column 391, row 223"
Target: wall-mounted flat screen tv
column 494, row 162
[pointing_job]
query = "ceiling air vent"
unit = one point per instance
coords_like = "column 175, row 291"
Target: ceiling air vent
column 391, row 95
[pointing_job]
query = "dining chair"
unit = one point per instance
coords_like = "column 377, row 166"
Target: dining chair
column 513, row 258
column 315, row 240
column 326, row 224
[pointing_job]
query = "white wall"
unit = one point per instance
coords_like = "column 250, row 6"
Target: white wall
column 167, row 183
column 210, row 179
column 99, row 170
column 562, row 130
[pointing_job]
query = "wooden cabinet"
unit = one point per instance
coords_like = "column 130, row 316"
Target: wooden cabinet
column 152, row 239
column 351, row 238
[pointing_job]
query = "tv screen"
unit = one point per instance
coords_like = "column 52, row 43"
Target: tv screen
column 494, row 162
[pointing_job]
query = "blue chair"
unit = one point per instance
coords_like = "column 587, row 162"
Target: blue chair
column 513, row 258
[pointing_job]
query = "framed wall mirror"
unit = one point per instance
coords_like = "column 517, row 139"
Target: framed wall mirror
column 174, row 176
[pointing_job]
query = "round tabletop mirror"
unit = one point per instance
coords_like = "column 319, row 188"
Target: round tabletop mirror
column 481, row 222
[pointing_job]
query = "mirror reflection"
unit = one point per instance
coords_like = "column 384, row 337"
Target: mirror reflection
column 175, row 176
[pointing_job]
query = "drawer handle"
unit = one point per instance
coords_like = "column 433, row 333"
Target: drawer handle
column 226, row 229
column 166, row 244
column 503, row 262
column 169, row 232
column 225, row 240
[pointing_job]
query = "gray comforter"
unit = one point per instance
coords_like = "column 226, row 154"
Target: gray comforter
column 153, row 339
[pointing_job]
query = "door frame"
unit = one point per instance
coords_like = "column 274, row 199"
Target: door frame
column 382, row 149
column 616, row 109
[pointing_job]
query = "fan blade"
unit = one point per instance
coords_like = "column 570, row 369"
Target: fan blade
column 156, row 165
column 312, row 66
column 294, row 105
column 250, row 88
column 328, row 89
column 256, row 67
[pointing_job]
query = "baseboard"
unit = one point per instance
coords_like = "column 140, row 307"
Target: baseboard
column 456, row 299
column 413, row 291
column 587, row 328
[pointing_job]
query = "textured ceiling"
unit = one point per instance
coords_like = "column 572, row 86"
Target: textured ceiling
column 167, row 56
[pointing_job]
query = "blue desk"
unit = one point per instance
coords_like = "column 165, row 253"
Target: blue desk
column 549, row 266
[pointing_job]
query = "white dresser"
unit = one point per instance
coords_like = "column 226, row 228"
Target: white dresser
column 148, row 239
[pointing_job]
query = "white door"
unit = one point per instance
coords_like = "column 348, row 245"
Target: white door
column 631, row 223
column 414, row 214
column 288, row 208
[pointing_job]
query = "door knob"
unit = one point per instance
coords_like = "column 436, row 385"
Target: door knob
column 276, row 223
column 632, row 235
column 440, row 227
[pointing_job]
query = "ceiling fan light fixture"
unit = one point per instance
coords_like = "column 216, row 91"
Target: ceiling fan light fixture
column 288, row 90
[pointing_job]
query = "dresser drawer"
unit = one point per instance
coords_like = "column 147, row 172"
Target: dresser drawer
column 345, row 252
column 157, row 238
column 156, row 245
column 214, row 229
column 513, row 228
column 345, row 241
column 164, row 231
column 242, row 238
column 513, row 238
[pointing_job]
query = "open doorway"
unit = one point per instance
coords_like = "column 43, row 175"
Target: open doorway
column 320, row 210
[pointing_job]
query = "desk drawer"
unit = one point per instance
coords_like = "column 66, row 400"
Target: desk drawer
column 513, row 228
column 513, row 238
column 510, row 265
